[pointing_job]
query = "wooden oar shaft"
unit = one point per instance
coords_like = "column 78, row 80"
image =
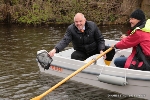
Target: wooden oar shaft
column 70, row 76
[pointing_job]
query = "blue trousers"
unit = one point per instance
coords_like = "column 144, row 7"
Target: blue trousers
column 120, row 61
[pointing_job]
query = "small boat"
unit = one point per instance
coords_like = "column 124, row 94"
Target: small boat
column 101, row 73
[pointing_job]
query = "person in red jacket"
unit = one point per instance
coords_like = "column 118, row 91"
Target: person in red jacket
column 138, row 37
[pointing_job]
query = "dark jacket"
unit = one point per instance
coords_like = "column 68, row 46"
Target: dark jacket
column 90, row 41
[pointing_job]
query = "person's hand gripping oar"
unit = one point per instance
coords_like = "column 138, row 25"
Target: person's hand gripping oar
column 71, row 75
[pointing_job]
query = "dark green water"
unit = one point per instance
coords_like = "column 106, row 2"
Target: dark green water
column 20, row 78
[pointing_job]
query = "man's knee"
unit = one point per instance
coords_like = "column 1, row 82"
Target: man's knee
column 120, row 62
column 116, row 62
column 77, row 55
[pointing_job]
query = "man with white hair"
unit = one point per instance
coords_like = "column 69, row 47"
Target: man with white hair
column 85, row 36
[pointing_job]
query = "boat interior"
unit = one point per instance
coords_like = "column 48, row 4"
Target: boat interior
column 118, row 53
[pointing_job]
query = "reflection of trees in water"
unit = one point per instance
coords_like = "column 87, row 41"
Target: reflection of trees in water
column 113, row 31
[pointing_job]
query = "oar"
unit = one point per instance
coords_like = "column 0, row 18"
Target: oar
column 71, row 75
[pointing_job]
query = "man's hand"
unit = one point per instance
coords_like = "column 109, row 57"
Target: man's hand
column 52, row 52
column 123, row 36
column 112, row 46
column 104, row 56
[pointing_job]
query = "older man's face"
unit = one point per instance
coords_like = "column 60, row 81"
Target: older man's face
column 133, row 21
column 79, row 22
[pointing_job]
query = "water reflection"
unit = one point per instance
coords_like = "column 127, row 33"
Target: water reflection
column 114, row 31
column 20, row 78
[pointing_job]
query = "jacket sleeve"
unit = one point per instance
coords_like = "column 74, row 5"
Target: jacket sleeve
column 130, row 41
column 99, row 39
column 64, row 42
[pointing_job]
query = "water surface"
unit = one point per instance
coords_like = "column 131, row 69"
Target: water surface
column 20, row 78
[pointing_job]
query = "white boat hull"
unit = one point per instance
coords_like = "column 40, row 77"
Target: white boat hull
column 128, row 82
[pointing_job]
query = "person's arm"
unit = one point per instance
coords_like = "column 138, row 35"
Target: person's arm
column 130, row 41
column 104, row 56
column 62, row 43
column 52, row 52
column 123, row 36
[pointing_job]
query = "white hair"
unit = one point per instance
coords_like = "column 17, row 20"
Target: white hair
column 79, row 14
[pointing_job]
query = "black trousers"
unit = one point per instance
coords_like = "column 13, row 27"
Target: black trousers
column 79, row 55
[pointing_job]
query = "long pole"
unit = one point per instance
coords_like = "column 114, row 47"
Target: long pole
column 70, row 76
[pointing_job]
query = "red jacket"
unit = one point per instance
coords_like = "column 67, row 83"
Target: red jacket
column 138, row 37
